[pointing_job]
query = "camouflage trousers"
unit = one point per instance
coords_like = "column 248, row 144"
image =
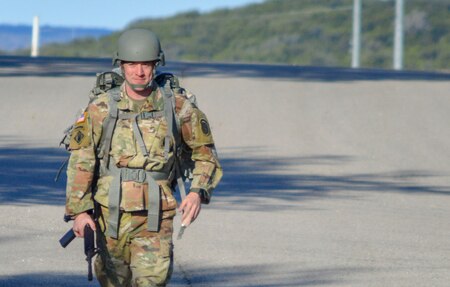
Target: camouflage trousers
column 138, row 257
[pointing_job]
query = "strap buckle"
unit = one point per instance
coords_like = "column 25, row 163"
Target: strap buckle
column 137, row 175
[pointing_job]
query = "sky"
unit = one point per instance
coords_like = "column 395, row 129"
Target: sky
column 111, row 14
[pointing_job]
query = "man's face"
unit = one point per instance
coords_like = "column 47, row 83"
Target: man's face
column 138, row 73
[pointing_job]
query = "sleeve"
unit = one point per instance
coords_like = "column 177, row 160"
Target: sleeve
column 82, row 163
column 197, row 135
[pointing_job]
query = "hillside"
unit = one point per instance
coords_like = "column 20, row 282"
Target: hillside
column 19, row 36
column 307, row 32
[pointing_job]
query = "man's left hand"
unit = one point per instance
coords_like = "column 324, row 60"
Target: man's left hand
column 190, row 208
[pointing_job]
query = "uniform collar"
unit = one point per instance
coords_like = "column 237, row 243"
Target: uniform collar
column 153, row 102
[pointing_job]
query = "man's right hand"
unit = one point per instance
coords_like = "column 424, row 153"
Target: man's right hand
column 80, row 222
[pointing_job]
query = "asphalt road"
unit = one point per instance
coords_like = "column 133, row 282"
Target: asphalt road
column 333, row 177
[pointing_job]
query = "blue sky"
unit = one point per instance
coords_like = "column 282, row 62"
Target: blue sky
column 111, row 14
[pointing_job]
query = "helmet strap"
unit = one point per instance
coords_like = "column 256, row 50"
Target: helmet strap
column 138, row 87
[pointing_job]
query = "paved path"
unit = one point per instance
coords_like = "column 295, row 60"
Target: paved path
column 333, row 177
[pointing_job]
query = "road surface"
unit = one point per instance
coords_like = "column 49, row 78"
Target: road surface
column 333, row 177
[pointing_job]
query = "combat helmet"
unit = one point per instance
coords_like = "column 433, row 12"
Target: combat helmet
column 139, row 45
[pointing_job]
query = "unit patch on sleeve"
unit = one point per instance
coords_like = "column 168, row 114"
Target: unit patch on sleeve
column 80, row 133
column 79, row 136
column 205, row 127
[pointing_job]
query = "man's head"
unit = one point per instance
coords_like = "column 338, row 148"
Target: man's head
column 138, row 75
column 138, row 52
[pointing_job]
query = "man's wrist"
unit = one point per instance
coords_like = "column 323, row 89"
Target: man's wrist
column 204, row 196
column 68, row 217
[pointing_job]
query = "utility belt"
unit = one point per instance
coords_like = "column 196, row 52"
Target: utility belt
column 115, row 190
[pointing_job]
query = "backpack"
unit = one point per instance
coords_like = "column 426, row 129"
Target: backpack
column 109, row 82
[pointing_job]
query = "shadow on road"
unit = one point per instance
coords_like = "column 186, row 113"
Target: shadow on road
column 16, row 66
column 207, row 276
column 46, row 279
column 223, row 276
column 268, row 275
column 58, row 280
column 248, row 178
column 27, row 177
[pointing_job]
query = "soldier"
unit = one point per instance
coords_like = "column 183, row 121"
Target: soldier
column 124, row 160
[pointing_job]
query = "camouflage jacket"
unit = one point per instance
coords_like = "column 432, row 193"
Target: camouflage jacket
column 125, row 152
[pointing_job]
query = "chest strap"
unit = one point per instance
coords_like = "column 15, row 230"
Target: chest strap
column 115, row 191
column 110, row 123
column 135, row 117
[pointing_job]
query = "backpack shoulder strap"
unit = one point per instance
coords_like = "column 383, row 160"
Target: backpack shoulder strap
column 167, row 83
column 109, row 125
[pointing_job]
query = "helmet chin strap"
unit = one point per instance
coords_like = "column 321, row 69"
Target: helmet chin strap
column 139, row 87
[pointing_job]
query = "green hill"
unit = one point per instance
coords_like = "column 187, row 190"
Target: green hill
column 296, row 32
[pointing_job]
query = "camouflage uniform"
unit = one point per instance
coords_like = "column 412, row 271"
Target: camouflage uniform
column 137, row 257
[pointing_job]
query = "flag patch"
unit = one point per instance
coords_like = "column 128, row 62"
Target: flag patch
column 82, row 118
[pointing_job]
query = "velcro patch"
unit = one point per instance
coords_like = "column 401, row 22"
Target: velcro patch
column 202, row 131
column 205, row 127
column 80, row 134
column 82, row 118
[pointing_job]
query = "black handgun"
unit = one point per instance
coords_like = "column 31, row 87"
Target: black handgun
column 89, row 245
